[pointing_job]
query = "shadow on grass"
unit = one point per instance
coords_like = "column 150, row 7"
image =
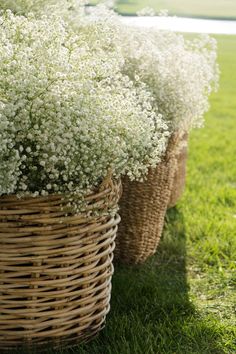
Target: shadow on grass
column 151, row 312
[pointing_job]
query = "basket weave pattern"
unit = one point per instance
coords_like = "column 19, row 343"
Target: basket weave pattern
column 142, row 208
column 55, row 268
column 180, row 174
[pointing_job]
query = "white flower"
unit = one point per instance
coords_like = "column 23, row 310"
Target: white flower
column 179, row 73
column 24, row 7
column 68, row 113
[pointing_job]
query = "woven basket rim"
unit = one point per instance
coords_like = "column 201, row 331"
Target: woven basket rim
column 99, row 191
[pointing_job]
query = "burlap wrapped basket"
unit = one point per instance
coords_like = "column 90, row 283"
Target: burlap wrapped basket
column 142, row 209
column 55, row 268
column 180, row 174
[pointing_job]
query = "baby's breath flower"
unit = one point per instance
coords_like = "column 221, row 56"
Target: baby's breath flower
column 179, row 73
column 146, row 11
column 68, row 112
column 39, row 7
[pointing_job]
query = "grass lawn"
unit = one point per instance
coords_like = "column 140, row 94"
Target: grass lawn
column 182, row 300
column 193, row 8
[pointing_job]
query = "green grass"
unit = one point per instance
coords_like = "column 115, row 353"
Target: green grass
column 182, row 300
column 196, row 8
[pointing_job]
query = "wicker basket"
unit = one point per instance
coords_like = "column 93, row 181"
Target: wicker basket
column 180, row 174
column 55, row 268
column 142, row 208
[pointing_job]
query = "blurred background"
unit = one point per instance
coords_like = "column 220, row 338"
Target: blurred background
column 218, row 9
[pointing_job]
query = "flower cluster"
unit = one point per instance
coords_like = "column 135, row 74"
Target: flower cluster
column 179, row 73
column 23, row 7
column 67, row 112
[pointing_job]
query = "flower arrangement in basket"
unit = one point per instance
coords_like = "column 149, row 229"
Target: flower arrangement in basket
column 71, row 124
column 180, row 74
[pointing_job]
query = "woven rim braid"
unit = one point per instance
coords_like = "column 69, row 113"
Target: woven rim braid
column 180, row 174
column 142, row 208
column 55, row 269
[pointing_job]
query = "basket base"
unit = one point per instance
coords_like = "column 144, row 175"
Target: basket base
column 50, row 346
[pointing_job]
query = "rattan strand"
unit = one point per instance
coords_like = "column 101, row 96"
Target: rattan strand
column 142, row 208
column 55, row 268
